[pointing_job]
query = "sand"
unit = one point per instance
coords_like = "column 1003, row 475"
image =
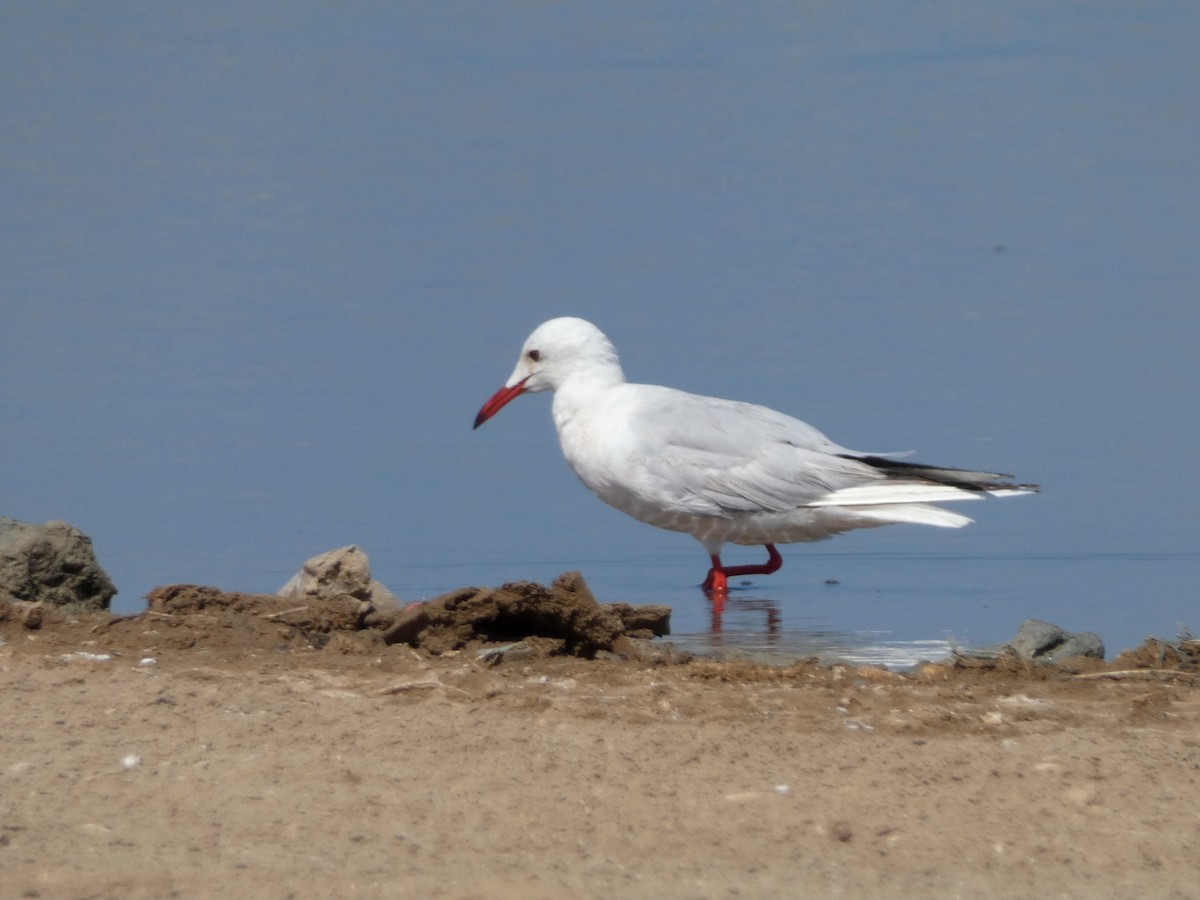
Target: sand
column 221, row 754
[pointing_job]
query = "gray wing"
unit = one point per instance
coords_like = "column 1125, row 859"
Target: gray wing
column 722, row 457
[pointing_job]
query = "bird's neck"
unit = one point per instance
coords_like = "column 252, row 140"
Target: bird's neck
column 581, row 393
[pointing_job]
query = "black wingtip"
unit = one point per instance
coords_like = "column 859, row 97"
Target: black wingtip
column 965, row 479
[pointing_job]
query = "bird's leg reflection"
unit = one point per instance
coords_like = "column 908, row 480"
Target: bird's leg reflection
column 769, row 607
column 718, row 610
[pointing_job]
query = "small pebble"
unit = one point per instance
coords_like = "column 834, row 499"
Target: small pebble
column 85, row 656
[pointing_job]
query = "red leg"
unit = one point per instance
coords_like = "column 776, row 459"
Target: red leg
column 716, row 585
column 717, row 581
column 773, row 564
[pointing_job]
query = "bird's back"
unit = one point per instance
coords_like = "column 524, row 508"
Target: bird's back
column 703, row 465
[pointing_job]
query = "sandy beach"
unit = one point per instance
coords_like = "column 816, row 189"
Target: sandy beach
column 222, row 755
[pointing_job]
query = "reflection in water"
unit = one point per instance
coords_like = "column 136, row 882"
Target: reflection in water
column 752, row 628
column 769, row 608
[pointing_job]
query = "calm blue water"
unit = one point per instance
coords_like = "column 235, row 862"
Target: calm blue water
column 262, row 264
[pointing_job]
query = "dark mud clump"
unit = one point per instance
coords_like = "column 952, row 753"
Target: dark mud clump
column 565, row 616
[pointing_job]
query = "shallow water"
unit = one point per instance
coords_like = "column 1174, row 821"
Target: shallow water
column 262, row 266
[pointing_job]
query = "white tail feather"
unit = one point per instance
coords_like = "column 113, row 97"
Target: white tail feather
column 885, row 492
column 913, row 513
column 1012, row 491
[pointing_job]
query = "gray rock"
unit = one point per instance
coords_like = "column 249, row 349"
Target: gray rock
column 52, row 563
column 1045, row 642
column 1085, row 643
column 335, row 573
column 1035, row 638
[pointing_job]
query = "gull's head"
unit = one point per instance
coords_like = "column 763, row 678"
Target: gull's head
column 558, row 350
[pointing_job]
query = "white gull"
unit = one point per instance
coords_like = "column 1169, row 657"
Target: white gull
column 720, row 470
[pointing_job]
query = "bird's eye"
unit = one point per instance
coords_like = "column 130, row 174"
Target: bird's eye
column 534, row 355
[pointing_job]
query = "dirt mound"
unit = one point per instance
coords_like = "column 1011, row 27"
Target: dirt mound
column 341, row 613
column 563, row 619
column 565, row 616
column 1157, row 654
